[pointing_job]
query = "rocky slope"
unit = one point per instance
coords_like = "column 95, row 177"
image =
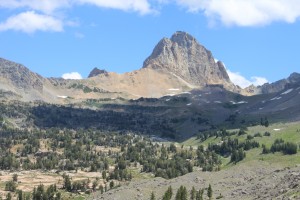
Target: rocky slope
column 292, row 80
column 20, row 81
column 255, row 180
column 183, row 56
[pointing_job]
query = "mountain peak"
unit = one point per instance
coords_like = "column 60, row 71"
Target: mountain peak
column 183, row 38
column 96, row 72
column 183, row 57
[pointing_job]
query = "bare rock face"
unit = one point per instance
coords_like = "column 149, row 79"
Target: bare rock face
column 19, row 76
column 96, row 72
column 184, row 57
column 293, row 79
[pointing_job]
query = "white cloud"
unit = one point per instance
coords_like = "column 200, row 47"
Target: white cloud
column 46, row 6
column 72, row 75
column 52, row 18
column 30, row 22
column 245, row 12
column 141, row 6
column 50, row 6
column 259, row 80
column 243, row 82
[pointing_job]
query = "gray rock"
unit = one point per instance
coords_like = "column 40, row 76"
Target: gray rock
column 184, row 57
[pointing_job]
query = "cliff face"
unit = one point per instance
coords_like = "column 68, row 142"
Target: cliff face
column 183, row 56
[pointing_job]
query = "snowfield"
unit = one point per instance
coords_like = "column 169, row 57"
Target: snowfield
column 275, row 98
column 63, row 97
column 286, row 92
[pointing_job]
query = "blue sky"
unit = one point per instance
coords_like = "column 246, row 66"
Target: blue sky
column 258, row 40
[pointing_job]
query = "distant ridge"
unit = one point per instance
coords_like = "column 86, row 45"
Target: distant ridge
column 177, row 65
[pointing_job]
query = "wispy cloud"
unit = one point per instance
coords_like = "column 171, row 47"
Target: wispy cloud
column 72, row 75
column 30, row 22
column 245, row 12
column 45, row 6
column 243, row 82
column 141, row 6
column 227, row 12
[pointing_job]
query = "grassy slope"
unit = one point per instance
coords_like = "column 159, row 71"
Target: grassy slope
column 288, row 132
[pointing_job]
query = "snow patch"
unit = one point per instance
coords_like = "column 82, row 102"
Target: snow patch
column 168, row 99
column 189, row 104
column 240, row 102
column 200, row 95
column 63, row 97
column 276, row 129
column 170, row 95
column 173, row 89
column 275, row 98
column 286, row 92
column 217, row 101
column 185, row 93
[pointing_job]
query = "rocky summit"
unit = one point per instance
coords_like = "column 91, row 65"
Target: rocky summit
column 96, row 72
column 183, row 56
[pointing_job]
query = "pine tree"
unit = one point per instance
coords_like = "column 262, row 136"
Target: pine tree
column 152, row 196
column 193, row 193
column 20, row 195
column 209, row 192
column 181, row 193
column 168, row 194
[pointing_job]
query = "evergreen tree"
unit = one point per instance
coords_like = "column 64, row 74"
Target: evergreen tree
column 112, row 184
column 15, row 177
column 67, row 183
column 209, row 192
column 168, row 194
column 181, row 193
column 199, row 195
column 152, row 196
column 20, row 195
column 193, row 193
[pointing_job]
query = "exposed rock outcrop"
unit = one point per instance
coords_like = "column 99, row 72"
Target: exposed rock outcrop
column 184, row 57
column 293, row 79
column 96, row 72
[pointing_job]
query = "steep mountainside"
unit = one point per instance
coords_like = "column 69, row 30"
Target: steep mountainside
column 19, row 76
column 184, row 57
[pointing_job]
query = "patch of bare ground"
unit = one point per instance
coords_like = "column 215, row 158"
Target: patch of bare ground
column 27, row 180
